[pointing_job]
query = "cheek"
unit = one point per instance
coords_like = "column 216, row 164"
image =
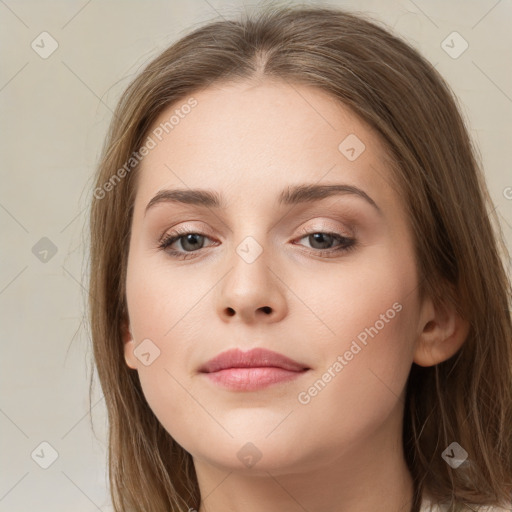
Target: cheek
column 361, row 383
column 371, row 315
column 369, row 298
column 158, row 300
column 163, row 309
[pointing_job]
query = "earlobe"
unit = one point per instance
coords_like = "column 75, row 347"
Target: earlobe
column 443, row 333
column 128, row 346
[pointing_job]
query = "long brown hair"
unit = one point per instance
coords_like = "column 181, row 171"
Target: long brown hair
column 458, row 240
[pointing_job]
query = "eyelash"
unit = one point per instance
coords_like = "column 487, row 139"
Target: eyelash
column 348, row 244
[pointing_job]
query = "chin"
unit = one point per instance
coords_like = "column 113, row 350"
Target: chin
column 255, row 455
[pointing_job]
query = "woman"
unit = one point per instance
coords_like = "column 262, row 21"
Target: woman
column 297, row 297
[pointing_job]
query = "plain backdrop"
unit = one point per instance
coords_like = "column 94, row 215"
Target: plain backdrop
column 54, row 112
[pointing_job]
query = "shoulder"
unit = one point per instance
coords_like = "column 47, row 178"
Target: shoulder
column 429, row 506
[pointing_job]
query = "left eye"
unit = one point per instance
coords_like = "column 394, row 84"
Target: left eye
column 192, row 241
column 323, row 238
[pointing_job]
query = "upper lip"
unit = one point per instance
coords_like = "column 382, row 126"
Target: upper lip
column 255, row 358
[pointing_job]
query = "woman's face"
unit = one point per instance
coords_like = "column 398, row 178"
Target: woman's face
column 326, row 279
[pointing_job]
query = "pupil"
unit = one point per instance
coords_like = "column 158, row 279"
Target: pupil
column 318, row 237
column 192, row 238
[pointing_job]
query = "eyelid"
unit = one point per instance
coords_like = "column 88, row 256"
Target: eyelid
column 183, row 229
column 347, row 229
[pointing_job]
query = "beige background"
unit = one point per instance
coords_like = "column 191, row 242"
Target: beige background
column 54, row 115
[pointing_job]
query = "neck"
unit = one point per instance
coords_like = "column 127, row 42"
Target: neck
column 370, row 475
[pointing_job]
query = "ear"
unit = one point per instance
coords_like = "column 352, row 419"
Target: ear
column 443, row 332
column 128, row 345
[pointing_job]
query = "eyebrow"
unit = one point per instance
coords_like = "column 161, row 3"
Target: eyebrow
column 304, row 193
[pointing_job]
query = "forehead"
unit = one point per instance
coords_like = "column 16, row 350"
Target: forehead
column 253, row 139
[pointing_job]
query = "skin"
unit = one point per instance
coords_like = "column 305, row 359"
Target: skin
column 249, row 141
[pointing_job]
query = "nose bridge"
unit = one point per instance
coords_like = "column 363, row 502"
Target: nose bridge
column 251, row 287
column 253, row 233
column 250, row 229
column 252, row 241
column 250, row 259
column 252, row 220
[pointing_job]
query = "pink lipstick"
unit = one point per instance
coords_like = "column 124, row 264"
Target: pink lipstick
column 253, row 370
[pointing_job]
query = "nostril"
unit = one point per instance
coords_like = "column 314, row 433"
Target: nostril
column 266, row 309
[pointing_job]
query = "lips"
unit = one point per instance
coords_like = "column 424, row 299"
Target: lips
column 255, row 358
column 254, row 370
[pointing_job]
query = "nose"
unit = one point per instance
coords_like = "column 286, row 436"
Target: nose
column 251, row 291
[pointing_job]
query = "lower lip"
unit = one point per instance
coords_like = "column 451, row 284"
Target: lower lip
column 252, row 379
